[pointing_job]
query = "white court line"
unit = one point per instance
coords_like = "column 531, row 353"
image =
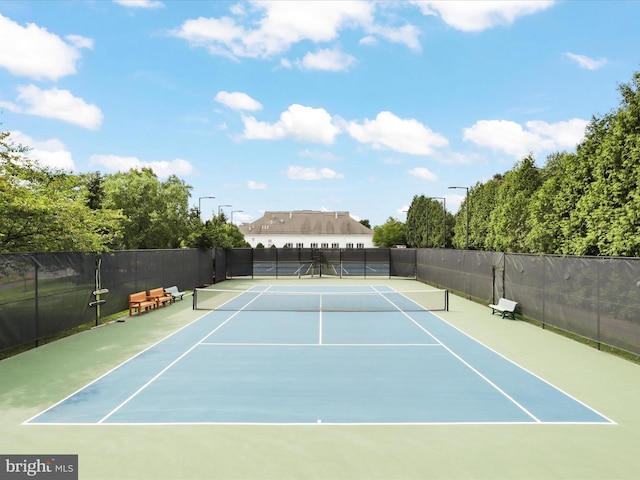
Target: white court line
column 250, row 344
column 158, row 375
column 532, row 374
column 467, row 364
column 315, row 424
column 440, row 344
column 320, row 322
column 115, row 368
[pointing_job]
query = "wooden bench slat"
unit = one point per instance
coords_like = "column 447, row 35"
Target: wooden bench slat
column 138, row 301
column 160, row 297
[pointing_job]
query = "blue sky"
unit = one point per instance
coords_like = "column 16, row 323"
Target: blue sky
column 349, row 106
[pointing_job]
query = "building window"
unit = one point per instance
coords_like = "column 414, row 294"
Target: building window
column 288, row 245
column 349, row 245
column 335, row 245
column 361, row 245
column 314, row 245
column 299, row 245
column 325, row 245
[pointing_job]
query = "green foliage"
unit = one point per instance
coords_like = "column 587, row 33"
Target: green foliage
column 389, row 235
column 508, row 221
column 46, row 210
column 365, row 222
column 583, row 203
column 415, row 227
column 482, row 201
column 217, row 233
column 610, row 206
column 157, row 212
column 427, row 223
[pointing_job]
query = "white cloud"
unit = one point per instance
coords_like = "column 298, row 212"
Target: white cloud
column 537, row 136
column 163, row 169
column 238, row 101
column 285, row 63
column 58, row 104
column 332, row 60
column 454, row 201
column 48, row 153
column 407, row 35
column 368, row 40
column 402, row 135
column 318, row 155
column 307, row 173
column 423, row 174
column 300, row 123
column 280, row 25
column 267, row 29
column 586, row 62
column 473, row 16
column 80, row 41
column 252, row 185
column 240, row 217
column 34, row 52
column 150, row 4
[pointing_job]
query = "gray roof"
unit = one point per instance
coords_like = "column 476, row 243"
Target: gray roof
column 305, row 222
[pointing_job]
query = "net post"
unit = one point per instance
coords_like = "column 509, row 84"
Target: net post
column 446, row 300
column 194, row 302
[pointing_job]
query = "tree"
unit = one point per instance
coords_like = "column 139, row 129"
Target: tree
column 427, row 223
column 551, row 206
column 609, row 209
column 415, row 227
column 482, row 201
column 508, row 222
column 157, row 212
column 95, row 191
column 44, row 209
column 365, row 222
column 217, row 233
column 391, row 234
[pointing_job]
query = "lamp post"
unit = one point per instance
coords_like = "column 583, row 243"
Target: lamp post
column 444, row 219
column 467, row 209
column 234, row 211
column 200, row 204
column 220, row 208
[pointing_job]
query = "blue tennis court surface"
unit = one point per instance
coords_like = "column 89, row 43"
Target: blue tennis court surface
column 398, row 366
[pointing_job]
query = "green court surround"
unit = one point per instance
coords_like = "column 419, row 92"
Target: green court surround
column 34, row 380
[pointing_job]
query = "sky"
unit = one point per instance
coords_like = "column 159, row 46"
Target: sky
column 331, row 105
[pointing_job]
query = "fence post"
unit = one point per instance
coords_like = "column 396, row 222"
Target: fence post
column 37, row 310
column 597, row 262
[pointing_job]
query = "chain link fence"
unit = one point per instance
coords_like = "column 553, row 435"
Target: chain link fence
column 46, row 293
column 595, row 297
column 43, row 294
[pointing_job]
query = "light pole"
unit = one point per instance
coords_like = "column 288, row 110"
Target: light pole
column 220, row 208
column 467, row 209
column 234, row 211
column 200, row 204
column 444, row 219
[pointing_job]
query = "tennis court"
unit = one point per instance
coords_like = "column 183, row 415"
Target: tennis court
column 322, row 378
column 316, row 354
column 339, row 269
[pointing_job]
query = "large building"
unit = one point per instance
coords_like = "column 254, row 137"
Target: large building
column 307, row 229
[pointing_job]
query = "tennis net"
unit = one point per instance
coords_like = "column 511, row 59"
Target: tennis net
column 386, row 301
